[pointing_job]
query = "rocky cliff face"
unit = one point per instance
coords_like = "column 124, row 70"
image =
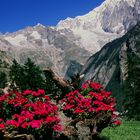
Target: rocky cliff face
column 109, row 65
column 109, row 21
column 5, row 61
column 44, row 45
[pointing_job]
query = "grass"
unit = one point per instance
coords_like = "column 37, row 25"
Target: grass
column 128, row 130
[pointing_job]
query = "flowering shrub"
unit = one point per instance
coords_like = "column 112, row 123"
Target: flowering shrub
column 91, row 104
column 29, row 112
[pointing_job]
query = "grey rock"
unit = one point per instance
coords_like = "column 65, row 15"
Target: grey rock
column 109, row 66
column 45, row 46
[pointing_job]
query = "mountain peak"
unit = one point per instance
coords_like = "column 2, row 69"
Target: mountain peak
column 39, row 25
column 112, row 19
column 115, row 16
column 130, row 2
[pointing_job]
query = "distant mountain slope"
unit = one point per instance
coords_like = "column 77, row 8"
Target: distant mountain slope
column 5, row 62
column 110, row 20
column 44, row 45
column 109, row 65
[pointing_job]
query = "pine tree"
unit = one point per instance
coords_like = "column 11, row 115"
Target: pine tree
column 3, row 79
column 33, row 76
column 27, row 76
column 52, row 88
column 16, row 75
column 132, row 85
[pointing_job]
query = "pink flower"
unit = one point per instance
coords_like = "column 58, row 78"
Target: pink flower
column 46, row 97
column 41, row 92
column 15, row 116
column 21, row 119
column 95, row 85
column 27, row 92
column 2, row 98
column 24, row 125
column 117, row 122
column 36, row 123
column 52, row 119
column 97, row 103
column 12, row 122
column 34, row 93
column 16, row 105
column 99, row 109
column 1, row 119
column 2, row 126
column 57, row 128
column 91, row 109
column 77, row 111
column 68, row 106
column 84, row 86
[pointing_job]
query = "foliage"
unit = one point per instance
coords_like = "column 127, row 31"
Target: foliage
column 16, row 75
column 28, row 76
column 3, row 79
column 132, row 86
column 51, row 87
column 33, row 76
column 76, row 81
column 129, row 130
column 91, row 102
column 29, row 112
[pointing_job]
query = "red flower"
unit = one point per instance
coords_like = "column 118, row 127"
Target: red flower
column 91, row 109
column 1, row 119
column 2, row 126
column 95, row 86
column 117, row 122
column 77, row 111
column 92, row 101
column 57, row 128
column 36, row 123
column 41, row 92
column 21, row 119
column 12, row 122
column 99, row 109
column 15, row 116
column 24, row 125
column 52, row 119
column 36, row 111
column 27, row 92
column 16, row 105
column 68, row 106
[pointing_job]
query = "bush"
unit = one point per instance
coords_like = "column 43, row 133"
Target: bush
column 29, row 112
column 3, row 79
column 92, row 105
column 27, row 76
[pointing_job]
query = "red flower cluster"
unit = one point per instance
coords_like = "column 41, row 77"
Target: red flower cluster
column 28, row 111
column 90, row 101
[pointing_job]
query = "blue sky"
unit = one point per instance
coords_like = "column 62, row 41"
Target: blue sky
column 17, row 14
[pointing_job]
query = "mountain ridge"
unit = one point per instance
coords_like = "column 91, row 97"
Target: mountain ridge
column 109, row 66
column 112, row 19
column 60, row 47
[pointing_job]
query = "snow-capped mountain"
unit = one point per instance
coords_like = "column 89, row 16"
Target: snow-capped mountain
column 72, row 41
column 45, row 46
column 110, row 20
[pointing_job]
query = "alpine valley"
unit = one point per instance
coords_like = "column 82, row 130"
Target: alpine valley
column 66, row 48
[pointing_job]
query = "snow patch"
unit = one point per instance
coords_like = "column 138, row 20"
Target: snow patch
column 131, row 2
column 36, row 35
column 16, row 40
column 90, row 40
column 40, row 25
